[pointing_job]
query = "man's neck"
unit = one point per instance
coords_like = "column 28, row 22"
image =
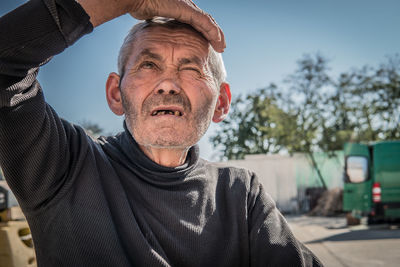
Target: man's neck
column 165, row 157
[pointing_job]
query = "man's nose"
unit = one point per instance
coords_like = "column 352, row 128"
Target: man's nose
column 168, row 86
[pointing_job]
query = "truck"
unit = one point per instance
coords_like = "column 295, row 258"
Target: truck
column 372, row 181
column 16, row 245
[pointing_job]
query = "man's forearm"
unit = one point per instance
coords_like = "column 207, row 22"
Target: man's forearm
column 101, row 11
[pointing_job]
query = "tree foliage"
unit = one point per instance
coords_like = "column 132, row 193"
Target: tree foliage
column 312, row 111
column 255, row 125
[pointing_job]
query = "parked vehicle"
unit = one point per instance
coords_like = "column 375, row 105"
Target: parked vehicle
column 372, row 180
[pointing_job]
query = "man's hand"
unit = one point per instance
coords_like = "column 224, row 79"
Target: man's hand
column 185, row 11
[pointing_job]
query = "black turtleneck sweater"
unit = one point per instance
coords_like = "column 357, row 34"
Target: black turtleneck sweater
column 103, row 202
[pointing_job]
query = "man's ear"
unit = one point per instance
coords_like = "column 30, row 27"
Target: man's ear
column 223, row 103
column 113, row 94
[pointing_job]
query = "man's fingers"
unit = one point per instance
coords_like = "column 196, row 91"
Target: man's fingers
column 185, row 11
column 205, row 24
column 222, row 42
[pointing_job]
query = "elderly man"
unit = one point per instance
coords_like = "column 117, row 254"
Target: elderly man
column 142, row 197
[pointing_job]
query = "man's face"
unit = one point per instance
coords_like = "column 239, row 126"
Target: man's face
column 168, row 92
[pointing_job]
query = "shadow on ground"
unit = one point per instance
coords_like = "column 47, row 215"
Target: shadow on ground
column 366, row 234
column 338, row 222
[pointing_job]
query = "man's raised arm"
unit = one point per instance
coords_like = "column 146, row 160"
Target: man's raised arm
column 35, row 152
column 37, row 149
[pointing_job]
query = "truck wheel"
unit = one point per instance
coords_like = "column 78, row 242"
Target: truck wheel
column 375, row 220
column 371, row 220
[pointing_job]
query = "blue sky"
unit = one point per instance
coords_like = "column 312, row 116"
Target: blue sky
column 264, row 41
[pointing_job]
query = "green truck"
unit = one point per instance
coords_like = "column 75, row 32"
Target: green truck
column 372, row 181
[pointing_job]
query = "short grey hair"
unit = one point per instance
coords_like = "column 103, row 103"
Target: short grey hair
column 215, row 61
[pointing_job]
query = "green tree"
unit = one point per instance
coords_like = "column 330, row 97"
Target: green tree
column 308, row 94
column 371, row 102
column 382, row 92
column 255, row 125
column 337, row 126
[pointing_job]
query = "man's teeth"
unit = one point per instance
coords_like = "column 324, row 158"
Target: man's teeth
column 169, row 112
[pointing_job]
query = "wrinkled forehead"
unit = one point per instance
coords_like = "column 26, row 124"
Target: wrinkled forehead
column 171, row 27
column 182, row 37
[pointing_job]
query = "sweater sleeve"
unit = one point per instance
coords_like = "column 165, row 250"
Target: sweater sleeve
column 34, row 142
column 271, row 241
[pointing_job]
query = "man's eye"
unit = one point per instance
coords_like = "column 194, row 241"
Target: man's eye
column 148, row 65
column 192, row 69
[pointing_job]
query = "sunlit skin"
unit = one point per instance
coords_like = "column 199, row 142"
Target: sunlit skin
column 168, row 70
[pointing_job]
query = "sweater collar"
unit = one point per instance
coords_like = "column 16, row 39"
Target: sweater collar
column 138, row 158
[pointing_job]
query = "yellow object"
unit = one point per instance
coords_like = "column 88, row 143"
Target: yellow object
column 16, row 247
column 12, row 214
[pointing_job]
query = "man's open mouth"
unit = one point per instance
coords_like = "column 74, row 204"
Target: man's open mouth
column 166, row 112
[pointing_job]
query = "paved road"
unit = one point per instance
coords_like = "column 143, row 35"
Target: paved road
column 339, row 246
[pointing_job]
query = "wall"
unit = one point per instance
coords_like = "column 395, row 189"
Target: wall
column 286, row 177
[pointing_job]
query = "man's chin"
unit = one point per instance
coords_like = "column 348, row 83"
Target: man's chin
column 166, row 143
column 168, row 146
column 165, row 138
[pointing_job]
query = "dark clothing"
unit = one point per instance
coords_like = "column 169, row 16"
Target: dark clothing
column 103, row 202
